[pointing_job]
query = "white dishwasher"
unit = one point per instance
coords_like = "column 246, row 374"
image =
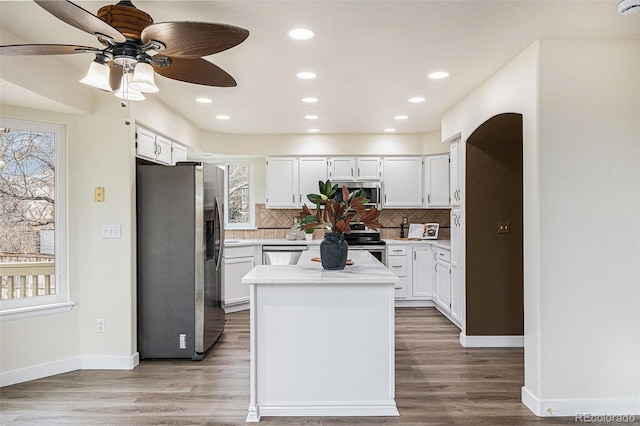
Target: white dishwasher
column 282, row 255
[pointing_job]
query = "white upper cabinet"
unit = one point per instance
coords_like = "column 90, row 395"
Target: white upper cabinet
column 455, row 173
column 368, row 168
column 311, row 170
column 146, row 144
column 164, row 150
column 282, row 182
column 402, row 184
column 436, row 181
column 154, row 147
column 178, row 153
column 342, row 168
column 346, row 169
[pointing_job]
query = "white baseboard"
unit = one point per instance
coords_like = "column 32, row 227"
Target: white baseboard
column 587, row 410
column 66, row 365
column 491, row 341
column 235, row 306
column 414, row 303
column 324, row 409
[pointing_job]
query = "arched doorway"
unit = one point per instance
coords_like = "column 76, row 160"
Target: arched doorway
column 494, row 273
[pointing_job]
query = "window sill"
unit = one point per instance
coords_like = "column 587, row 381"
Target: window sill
column 36, row 311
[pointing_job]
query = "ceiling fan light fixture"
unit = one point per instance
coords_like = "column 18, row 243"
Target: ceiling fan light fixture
column 143, row 78
column 98, row 76
column 127, row 93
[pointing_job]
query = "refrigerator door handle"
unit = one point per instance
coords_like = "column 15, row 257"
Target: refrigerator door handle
column 220, row 224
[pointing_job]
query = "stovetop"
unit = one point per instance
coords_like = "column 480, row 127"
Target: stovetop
column 357, row 238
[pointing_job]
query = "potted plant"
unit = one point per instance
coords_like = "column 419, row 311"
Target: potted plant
column 335, row 217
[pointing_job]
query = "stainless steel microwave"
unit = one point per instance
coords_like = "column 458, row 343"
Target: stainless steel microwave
column 371, row 192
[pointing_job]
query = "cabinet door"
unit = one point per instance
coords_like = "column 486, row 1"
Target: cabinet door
column 145, row 144
column 233, row 270
column 436, row 180
column 178, row 153
column 402, row 184
column 342, row 168
column 454, row 173
column 368, row 168
column 311, row 170
column 455, row 294
column 423, row 272
column 455, row 236
column 443, row 284
column 282, row 182
column 164, row 150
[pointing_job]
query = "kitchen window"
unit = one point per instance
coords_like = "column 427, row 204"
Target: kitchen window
column 33, row 218
column 239, row 206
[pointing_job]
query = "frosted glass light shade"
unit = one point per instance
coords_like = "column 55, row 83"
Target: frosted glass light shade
column 126, row 92
column 97, row 76
column 143, row 78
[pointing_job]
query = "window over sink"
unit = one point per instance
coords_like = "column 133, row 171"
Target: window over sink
column 239, row 203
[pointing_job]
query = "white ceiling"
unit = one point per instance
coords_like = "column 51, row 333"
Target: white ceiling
column 370, row 56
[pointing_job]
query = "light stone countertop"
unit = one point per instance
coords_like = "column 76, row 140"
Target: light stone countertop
column 444, row 244
column 366, row 269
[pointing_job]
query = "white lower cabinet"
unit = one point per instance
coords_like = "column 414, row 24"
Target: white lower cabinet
column 236, row 263
column 397, row 263
column 447, row 289
column 422, row 287
column 413, row 264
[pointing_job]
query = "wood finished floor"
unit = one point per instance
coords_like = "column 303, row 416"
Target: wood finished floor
column 438, row 382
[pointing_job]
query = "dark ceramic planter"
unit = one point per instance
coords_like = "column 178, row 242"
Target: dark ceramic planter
column 333, row 251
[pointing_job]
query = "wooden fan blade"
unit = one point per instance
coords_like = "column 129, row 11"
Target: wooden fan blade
column 115, row 76
column 76, row 16
column 197, row 71
column 44, row 49
column 194, row 39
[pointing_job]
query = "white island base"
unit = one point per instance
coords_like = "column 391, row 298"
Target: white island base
column 322, row 342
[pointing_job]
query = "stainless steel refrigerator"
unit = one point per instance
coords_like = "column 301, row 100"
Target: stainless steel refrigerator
column 179, row 250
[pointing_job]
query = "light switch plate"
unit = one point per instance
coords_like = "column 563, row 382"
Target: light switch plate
column 110, row 231
column 98, row 194
column 504, row 228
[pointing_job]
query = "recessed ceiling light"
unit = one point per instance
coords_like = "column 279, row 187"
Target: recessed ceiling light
column 306, row 75
column 314, row 130
column 417, row 99
column 389, row 130
column 301, row 34
column 310, row 100
column 204, row 100
column 438, row 75
column 222, row 117
column 401, row 117
column 311, row 117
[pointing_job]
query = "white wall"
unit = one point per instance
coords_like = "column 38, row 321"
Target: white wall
column 345, row 144
column 580, row 102
column 101, row 272
column 590, row 180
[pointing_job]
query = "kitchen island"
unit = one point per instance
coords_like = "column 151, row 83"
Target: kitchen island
column 322, row 342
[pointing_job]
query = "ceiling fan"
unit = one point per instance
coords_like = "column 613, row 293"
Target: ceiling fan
column 134, row 44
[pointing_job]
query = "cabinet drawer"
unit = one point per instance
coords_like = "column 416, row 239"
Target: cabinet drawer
column 443, row 255
column 401, row 288
column 397, row 265
column 396, row 250
column 236, row 252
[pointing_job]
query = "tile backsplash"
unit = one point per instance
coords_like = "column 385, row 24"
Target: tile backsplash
column 274, row 223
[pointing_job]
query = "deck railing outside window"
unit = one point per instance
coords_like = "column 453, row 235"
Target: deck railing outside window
column 23, row 275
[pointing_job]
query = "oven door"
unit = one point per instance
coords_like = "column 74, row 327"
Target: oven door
column 377, row 251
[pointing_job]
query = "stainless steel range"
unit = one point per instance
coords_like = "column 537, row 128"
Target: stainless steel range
column 363, row 238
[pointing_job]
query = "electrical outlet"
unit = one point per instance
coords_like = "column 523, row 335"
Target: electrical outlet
column 183, row 341
column 100, row 326
column 110, row 231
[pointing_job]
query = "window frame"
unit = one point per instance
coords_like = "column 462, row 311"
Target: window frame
column 252, row 209
column 56, row 303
